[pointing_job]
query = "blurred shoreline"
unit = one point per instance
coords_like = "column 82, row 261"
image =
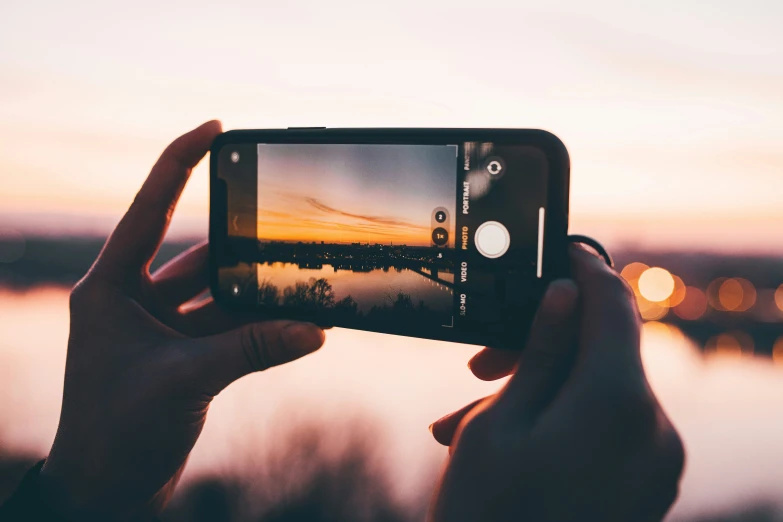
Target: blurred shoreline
column 28, row 262
column 32, row 260
column 751, row 286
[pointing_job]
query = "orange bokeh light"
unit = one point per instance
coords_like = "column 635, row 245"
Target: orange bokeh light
column 693, row 305
column 777, row 351
column 724, row 344
column 631, row 274
column 746, row 342
column 632, row 271
column 735, row 294
column 730, row 294
column 662, row 330
column 733, row 344
column 678, row 295
column 712, row 294
column 749, row 295
column 656, row 284
column 650, row 310
column 655, row 328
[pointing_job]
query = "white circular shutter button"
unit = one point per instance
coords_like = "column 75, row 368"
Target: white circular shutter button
column 492, row 239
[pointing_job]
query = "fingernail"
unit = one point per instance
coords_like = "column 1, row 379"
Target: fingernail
column 303, row 337
column 560, row 297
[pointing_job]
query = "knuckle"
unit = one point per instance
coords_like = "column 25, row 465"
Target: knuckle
column 544, row 359
column 617, row 286
column 84, row 293
column 256, row 348
column 475, row 430
column 178, row 362
column 489, row 432
column 635, row 414
column 672, row 452
column 146, row 210
column 642, row 412
column 620, row 297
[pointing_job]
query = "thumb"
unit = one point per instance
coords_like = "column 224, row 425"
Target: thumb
column 224, row 358
column 547, row 357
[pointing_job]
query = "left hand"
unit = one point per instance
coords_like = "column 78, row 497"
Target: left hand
column 141, row 371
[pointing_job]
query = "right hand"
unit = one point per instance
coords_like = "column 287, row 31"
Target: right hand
column 576, row 433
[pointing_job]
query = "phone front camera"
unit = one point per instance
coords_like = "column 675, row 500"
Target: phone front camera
column 235, row 157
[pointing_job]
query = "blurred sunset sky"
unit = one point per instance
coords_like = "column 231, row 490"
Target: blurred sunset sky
column 672, row 111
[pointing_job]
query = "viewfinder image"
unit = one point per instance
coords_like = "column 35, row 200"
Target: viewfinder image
column 387, row 237
column 350, row 228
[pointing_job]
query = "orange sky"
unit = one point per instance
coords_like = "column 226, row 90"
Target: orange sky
column 354, row 193
column 675, row 133
column 318, row 226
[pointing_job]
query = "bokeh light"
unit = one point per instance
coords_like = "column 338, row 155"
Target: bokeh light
column 678, row 295
column 655, row 328
column 748, row 295
column 713, row 294
column 731, row 344
column 777, row 351
column 632, row 272
column 730, row 294
column 746, row 342
column 736, row 295
column 724, row 344
column 693, row 305
column 662, row 331
column 656, row 284
column 650, row 310
column 765, row 309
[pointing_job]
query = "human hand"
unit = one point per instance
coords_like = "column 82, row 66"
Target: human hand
column 142, row 370
column 576, row 433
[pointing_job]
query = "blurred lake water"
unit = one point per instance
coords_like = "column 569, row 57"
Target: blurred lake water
column 729, row 409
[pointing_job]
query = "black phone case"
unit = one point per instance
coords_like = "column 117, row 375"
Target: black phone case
column 555, row 258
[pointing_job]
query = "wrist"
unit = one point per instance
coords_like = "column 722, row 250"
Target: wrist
column 38, row 497
column 69, row 492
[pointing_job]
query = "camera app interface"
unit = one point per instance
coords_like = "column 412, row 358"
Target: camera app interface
column 392, row 237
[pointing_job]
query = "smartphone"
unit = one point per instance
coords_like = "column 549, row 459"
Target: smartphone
column 448, row 234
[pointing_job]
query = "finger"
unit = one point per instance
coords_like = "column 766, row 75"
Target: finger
column 184, row 277
column 444, row 428
column 548, row 355
column 133, row 243
column 221, row 359
column 491, row 364
column 609, row 325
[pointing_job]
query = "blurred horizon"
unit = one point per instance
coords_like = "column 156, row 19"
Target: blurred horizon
column 671, row 112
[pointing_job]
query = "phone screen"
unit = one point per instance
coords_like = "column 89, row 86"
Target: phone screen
column 431, row 240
